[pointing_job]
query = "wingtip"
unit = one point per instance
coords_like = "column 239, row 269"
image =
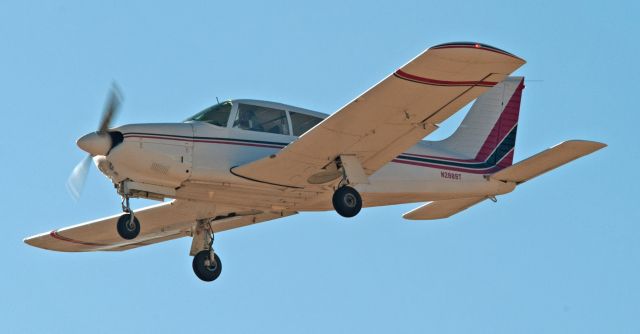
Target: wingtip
column 47, row 241
column 407, row 216
column 600, row 145
column 476, row 45
column 592, row 145
column 33, row 240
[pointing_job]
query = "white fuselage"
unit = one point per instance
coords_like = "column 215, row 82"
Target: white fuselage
column 195, row 159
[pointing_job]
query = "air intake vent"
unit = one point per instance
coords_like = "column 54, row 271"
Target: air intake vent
column 116, row 138
column 160, row 168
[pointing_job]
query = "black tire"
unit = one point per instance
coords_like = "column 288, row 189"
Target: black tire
column 204, row 272
column 347, row 201
column 126, row 228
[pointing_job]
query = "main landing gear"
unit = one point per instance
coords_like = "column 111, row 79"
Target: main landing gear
column 128, row 226
column 206, row 263
column 347, row 201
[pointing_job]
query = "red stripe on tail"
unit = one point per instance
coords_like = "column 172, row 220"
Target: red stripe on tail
column 507, row 120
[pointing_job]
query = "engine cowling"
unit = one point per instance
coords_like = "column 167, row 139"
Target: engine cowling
column 158, row 154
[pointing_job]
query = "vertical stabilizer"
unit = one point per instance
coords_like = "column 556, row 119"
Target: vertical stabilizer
column 488, row 132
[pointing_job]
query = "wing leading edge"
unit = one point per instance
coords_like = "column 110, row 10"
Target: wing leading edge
column 391, row 116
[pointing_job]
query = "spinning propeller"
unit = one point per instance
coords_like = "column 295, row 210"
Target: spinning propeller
column 96, row 143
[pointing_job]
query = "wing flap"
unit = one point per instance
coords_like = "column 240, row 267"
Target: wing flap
column 391, row 116
column 547, row 160
column 240, row 221
column 442, row 209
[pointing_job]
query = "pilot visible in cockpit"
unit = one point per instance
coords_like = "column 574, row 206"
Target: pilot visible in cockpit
column 247, row 121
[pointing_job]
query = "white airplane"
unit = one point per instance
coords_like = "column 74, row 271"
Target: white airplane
column 242, row 162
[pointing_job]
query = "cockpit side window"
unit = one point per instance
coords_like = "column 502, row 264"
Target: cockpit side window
column 216, row 115
column 262, row 119
column 301, row 123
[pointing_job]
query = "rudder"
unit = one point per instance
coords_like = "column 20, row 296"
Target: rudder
column 488, row 132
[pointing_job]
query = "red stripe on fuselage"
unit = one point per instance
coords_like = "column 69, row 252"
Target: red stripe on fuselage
column 441, row 158
column 503, row 163
column 206, row 141
column 456, row 169
column 235, row 143
column 214, row 141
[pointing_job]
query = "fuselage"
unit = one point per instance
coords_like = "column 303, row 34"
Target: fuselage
column 196, row 158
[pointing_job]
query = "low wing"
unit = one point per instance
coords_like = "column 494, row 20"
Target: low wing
column 442, row 209
column 547, row 160
column 158, row 223
column 390, row 117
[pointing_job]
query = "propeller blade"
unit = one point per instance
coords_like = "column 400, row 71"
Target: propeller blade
column 110, row 109
column 75, row 183
column 78, row 176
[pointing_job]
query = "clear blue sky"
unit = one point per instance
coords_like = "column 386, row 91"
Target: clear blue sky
column 559, row 255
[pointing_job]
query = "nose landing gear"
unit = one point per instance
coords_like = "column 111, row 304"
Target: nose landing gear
column 128, row 226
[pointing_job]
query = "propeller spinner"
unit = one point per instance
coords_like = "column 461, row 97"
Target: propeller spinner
column 96, row 143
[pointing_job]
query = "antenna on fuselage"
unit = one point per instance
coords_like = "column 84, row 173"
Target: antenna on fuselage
column 218, row 101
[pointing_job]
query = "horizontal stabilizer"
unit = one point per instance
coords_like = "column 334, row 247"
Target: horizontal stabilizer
column 547, row 160
column 442, row 209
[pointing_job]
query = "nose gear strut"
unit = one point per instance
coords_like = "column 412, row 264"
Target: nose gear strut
column 125, row 204
column 128, row 226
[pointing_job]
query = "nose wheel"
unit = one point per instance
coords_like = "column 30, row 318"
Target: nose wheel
column 128, row 226
column 347, row 201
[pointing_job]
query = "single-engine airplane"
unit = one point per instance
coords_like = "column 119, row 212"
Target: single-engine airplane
column 243, row 162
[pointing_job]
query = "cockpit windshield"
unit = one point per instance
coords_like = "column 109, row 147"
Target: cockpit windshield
column 216, row 115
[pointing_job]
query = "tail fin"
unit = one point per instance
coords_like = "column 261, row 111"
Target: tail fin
column 488, row 132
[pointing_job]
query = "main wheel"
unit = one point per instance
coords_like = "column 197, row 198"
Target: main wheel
column 128, row 228
column 347, row 201
column 206, row 269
